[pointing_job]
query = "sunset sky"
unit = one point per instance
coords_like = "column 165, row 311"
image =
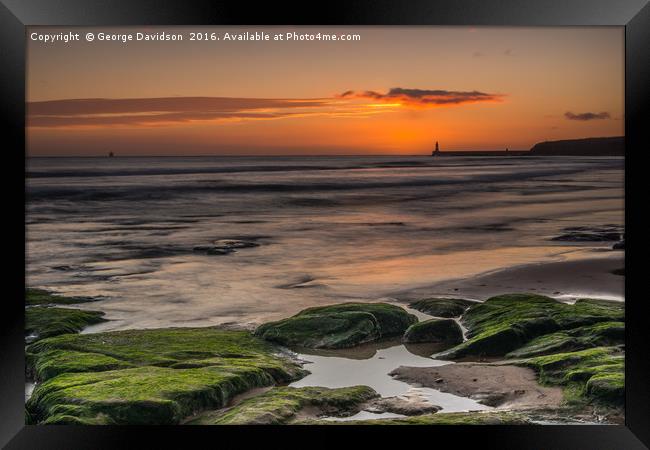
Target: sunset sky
column 396, row 91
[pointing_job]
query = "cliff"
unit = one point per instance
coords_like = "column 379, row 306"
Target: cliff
column 605, row 146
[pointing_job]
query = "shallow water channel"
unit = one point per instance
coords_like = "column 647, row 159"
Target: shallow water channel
column 371, row 364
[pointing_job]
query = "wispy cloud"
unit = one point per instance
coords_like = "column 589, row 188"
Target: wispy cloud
column 586, row 116
column 151, row 111
column 106, row 112
column 425, row 97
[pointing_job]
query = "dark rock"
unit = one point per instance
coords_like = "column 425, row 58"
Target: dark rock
column 338, row 326
column 588, row 237
column 603, row 233
column 504, row 323
column 224, row 246
column 209, row 250
column 589, row 336
column 219, row 251
column 442, row 307
column 234, row 244
column 434, row 330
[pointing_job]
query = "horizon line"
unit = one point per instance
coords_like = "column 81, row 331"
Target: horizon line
column 103, row 155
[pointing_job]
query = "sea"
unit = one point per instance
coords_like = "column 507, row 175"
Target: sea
column 132, row 232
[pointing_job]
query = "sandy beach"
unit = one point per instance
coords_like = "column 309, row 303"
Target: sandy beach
column 501, row 386
column 591, row 276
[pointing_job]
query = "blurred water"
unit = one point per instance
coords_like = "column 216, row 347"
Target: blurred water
column 330, row 229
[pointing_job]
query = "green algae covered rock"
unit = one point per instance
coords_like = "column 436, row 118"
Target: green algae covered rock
column 589, row 336
column 148, row 376
column 434, row 330
column 34, row 296
column 442, row 307
column 338, row 326
column 607, row 388
column 505, row 323
column 51, row 363
column 42, row 322
column 281, row 404
column 595, row 374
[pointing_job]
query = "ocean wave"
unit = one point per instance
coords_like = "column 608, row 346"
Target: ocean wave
column 52, row 168
column 156, row 191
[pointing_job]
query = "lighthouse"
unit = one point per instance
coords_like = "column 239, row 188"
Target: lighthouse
column 436, row 152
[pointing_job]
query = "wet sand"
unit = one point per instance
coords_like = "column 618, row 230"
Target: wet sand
column 502, row 386
column 565, row 280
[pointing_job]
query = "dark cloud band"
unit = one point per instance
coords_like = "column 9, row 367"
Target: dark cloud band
column 426, row 97
column 586, row 116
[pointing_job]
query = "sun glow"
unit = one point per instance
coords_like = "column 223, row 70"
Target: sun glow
column 384, row 105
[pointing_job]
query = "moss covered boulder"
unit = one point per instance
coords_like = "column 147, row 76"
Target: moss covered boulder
column 595, row 374
column 589, row 336
column 505, row 323
column 148, row 376
column 338, row 326
column 43, row 321
column 442, row 307
column 282, row 404
column 445, row 331
column 608, row 388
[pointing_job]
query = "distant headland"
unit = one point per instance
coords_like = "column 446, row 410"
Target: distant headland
column 600, row 146
column 603, row 146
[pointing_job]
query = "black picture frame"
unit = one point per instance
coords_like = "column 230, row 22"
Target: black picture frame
column 634, row 15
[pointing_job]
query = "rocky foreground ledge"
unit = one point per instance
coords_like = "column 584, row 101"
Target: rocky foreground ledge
column 216, row 376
